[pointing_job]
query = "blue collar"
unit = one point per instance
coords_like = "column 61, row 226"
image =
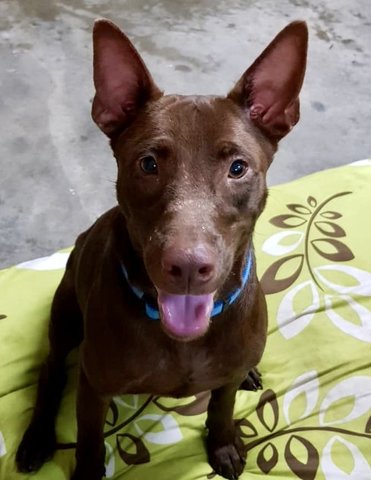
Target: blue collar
column 219, row 306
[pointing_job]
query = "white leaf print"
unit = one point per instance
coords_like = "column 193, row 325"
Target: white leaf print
column 110, row 461
column 290, row 322
column 128, row 401
column 361, row 332
column 56, row 261
column 170, row 434
column 361, row 469
column 361, row 163
column 363, row 278
column 2, row 445
column 358, row 387
column 309, row 385
column 273, row 245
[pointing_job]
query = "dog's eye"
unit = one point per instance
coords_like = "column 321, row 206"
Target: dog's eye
column 148, row 164
column 237, row 169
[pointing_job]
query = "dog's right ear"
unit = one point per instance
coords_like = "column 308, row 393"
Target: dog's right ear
column 122, row 82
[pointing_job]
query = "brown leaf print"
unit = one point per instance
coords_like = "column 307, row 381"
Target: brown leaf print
column 112, row 414
column 245, row 428
column 306, row 470
column 312, row 201
column 298, row 208
column 140, row 456
column 267, row 458
column 368, row 426
column 2, row 316
column 268, row 400
column 287, row 221
column 330, row 229
column 341, row 252
column 331, row 215
column 269, row 281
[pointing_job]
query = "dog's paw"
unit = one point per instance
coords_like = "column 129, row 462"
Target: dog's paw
column 253, row 381
column 227, row 460
column 36, row 447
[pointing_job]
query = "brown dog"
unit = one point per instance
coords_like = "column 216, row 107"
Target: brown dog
column 161, row 292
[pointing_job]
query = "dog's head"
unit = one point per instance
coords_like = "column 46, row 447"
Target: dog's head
column 191, row 169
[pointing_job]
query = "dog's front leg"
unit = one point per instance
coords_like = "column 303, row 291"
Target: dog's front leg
column 91, row 414
column 225, row 449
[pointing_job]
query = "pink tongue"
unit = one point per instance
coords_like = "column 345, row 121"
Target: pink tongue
column 185, row 316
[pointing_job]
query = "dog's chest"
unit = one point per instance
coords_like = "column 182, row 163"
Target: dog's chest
column 194, row 370
column 179, row 371
column 182, row 371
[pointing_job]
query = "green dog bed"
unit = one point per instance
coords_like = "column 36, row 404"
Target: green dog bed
column 312, row 419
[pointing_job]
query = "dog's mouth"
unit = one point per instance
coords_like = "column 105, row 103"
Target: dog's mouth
column 185, row 317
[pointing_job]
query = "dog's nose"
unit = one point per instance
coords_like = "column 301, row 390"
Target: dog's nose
column 189, row 268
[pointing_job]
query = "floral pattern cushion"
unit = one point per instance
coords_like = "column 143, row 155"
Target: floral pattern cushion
column 312, row 420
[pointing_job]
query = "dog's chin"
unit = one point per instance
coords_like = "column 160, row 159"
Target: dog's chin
column 185, row 317
column 183, row 339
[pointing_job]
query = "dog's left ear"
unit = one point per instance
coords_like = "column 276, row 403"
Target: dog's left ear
column 122, row 82
column 269, row 89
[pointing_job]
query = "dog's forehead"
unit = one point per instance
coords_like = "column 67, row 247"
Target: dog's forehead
column 206, row 125
column 200, row 117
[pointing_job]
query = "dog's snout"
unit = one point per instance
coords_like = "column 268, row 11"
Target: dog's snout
column 188, row 267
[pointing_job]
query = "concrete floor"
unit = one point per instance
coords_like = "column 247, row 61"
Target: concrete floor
column 56, row 170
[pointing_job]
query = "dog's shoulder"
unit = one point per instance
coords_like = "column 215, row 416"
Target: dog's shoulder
column 94, row 246
column 99, row 233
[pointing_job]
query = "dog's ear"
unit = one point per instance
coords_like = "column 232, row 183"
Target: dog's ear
column 122, row 82
column 269, row 89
